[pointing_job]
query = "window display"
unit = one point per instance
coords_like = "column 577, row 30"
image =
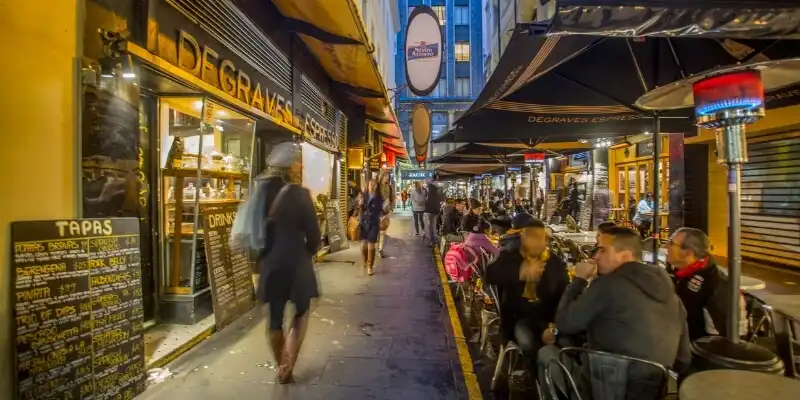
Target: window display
column 205, row 164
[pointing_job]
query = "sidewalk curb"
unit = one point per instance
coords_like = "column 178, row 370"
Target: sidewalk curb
column 464, row 357
column 182, row 349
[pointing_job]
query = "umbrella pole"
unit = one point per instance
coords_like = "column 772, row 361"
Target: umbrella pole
column 656, row 187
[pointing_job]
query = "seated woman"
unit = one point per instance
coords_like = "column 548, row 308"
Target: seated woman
column 531, row 282
column 474, row 223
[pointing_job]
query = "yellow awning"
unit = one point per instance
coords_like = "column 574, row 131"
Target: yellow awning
column 334, row 31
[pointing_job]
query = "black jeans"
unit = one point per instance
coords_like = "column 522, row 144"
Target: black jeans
column 528, row 336
column 419, row 221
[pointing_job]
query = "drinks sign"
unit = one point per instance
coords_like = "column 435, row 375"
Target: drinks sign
column 423, row 56
column 416, row 174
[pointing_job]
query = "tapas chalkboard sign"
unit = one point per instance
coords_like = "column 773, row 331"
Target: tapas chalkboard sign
column 337, row 238
column 644, row 149
column 228, row 267
column 78, row 309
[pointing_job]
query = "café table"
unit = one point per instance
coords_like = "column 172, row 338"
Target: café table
column 738, row 385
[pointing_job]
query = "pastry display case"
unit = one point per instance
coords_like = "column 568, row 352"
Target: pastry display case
column 205, row 164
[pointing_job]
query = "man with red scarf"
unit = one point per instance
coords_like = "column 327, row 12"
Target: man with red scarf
column 699, row 282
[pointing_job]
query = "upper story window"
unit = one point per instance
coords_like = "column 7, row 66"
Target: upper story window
column 462, row 87
column 462, row 51
column 441, row 13
column 461, row 15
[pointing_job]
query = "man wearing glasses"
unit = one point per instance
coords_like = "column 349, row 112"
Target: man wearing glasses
column 699, row 283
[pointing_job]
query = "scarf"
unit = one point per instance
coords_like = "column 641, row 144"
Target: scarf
column 692, row 268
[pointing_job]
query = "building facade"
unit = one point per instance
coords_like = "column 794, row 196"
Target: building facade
column 382, row 21
column 462, row 75
column 501, row 17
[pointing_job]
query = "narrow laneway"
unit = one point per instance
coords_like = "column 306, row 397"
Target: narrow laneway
column 382, row 337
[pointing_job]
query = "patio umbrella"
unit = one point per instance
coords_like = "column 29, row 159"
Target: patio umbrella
column 583, row 87
column 502, row 154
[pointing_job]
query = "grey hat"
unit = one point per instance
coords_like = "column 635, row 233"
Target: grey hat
column 284, row 154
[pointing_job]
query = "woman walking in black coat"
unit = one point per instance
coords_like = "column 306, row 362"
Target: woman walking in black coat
column 286, row 263
column 371, row 212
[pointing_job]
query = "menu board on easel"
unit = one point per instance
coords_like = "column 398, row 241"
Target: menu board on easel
column 550, row 205
column 78, row 306
column 229, row 269
column 337, row 239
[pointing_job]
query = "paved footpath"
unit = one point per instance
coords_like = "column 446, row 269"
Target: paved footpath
column 388, row 336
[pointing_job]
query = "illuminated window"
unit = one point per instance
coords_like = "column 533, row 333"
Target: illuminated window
column 440, row 13
column 462, row 51
column 461, row 15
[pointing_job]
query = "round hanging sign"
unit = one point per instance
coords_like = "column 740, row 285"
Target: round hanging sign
column 421, row 130
column 423, row 51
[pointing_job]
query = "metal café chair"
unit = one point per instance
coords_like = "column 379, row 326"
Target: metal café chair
column 782, row 336
column 510, row 349
column 608, row 375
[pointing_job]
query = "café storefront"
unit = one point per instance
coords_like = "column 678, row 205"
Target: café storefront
column 174, row 135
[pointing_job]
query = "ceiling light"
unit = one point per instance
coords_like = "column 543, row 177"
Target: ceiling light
column 127, row 67
column 648, row 133
column 198, row 105
column 222, row 113
column 583, row 141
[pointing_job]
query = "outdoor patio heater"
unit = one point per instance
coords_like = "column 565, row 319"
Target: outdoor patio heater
column 727, row 100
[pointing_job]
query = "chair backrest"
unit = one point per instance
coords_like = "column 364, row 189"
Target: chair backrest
column 617, row 377
column 494, row 294
column 785, row 331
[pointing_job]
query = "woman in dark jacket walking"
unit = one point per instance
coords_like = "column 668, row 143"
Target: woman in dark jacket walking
column 286, row 264
column 371, row 212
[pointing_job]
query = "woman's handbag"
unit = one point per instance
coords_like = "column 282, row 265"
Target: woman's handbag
column 384, row 223
column 353, row 231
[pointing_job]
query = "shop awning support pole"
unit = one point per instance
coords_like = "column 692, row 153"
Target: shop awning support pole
column 505, row 184
column 656, row 187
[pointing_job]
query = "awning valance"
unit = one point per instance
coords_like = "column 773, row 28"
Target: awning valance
column 334, row 32
column 740, row 19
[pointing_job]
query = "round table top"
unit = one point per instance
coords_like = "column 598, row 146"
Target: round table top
column 736, row 384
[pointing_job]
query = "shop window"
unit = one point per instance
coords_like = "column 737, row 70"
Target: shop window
column 462, row 87
column 461, row 15
column 441, row 14
column 462, row 51
column 205, row 150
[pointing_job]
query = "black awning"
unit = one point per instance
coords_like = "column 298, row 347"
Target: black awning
column 583, row 87
column 473, row 153
column 730, row 19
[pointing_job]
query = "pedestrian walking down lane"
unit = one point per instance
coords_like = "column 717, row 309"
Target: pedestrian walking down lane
column 372, row 209
column 418, row 198
column 286, row 269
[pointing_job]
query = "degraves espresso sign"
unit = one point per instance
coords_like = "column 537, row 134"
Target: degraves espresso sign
column 222, row 69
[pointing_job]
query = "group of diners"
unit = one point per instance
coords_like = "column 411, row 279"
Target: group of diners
column 613, row 302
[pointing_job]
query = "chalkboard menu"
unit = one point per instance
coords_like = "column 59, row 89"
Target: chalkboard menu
column 644, row 149
column 550, row 205
column 337, row 237
column 228, row 267
column 78, row 306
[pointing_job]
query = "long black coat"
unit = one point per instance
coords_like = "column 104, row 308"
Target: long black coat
column 295, row 240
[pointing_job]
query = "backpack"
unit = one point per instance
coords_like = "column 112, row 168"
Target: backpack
column 458, row 260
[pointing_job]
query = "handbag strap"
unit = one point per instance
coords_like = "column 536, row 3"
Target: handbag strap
column 278, row 198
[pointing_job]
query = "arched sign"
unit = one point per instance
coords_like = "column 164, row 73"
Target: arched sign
column 423, row 51
column 421, row 130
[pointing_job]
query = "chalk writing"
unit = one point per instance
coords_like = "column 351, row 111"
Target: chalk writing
column 78, row 309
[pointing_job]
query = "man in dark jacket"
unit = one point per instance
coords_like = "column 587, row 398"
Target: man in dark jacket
column 630, row 309
column 433, row 205
column 699, row 283
column 530, row 282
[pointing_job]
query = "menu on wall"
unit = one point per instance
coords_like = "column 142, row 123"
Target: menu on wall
column 228, row 266
column 78, row 306
column 337, row 239
column 550, row 205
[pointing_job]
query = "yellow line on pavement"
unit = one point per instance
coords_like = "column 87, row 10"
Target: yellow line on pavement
column 470, row 379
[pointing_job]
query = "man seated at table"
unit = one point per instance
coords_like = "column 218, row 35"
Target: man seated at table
column 700, row 283
column 630, row 309
column 530, row 281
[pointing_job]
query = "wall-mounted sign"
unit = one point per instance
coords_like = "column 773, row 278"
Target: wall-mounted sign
column 421, row 130
column 534, row 158
column 420, row 174
column 644, row 149
column 423, row 51
column 579, row 159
